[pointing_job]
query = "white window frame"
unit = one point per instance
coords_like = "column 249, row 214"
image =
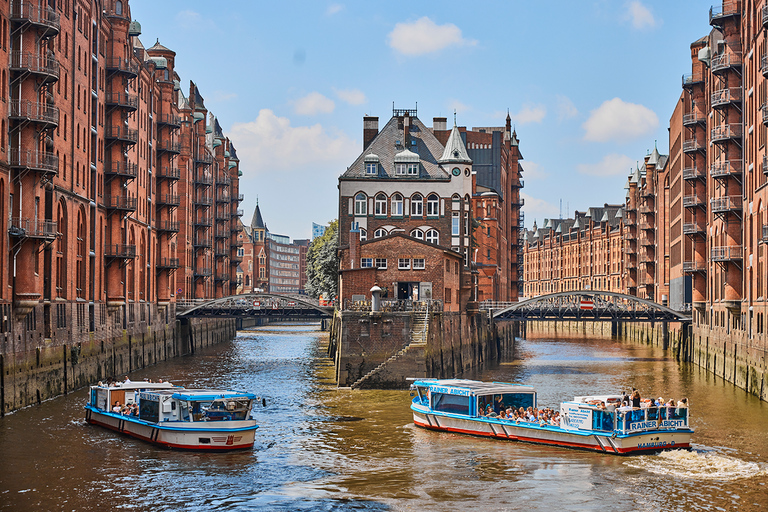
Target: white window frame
column 417, row 206
column 419, row 264
column 371, row 168
column 363, row 234
column 455, row 224
column 413, row 169
column 433, row 205
column 380, row 205
column 380, row 263
column 403, row 264
column 432, row 236
column 361, row 204
column 366, row 262
column 417, row 233
column 397, row 205
column 400, row 169
column 379, row 233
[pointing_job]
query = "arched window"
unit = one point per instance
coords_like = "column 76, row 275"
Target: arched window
column 379, row 233
column 417, row 206
column 456, row 203
column 363, row 235
column 380, row 205
column 433, row 236
column 433, row 205
column 417, row 233
column 361, row 204
column 397, row 205
column 118, row 7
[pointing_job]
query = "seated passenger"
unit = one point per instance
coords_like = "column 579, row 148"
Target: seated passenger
column 117, row 407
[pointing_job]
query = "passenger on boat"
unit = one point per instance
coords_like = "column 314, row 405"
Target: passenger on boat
column 498, row 404
column 636, row 399
column 117, row 407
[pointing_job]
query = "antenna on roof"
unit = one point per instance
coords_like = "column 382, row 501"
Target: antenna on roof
column 561, row 208
column 454, row 117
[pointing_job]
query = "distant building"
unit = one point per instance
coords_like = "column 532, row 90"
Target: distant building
column 318, row 230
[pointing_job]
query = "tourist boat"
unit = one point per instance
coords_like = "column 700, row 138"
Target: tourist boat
column 453, row 405
column 175, row 417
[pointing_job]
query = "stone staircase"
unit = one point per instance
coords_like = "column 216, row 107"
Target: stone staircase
column 418, row 341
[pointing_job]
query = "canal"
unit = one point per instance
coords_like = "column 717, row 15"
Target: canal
column 320, row 448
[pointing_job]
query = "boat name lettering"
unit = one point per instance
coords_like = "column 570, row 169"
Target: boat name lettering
column 640, row 425
column 656, row 444
column 149, row 396
column 451, row 391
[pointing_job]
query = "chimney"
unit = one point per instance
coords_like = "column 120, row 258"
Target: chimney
column 439, row 124
column 370, row 130
column 354, row 245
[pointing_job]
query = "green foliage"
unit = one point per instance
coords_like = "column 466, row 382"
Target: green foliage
column 323, row 263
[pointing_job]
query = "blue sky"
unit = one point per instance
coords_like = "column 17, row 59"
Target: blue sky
column 590, row 86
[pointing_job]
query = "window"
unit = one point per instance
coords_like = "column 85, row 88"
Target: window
column 366, row 262
column 381, row 263
column 433, row 205
column 417, row 206
column 413, row 169
column 417, row 233
column 379, row 233
column 361, row 204
column 363, row 235
column 418, row 264
column 400, row 169
column 433, row 237
column 403, row 264
column 447, row 295
column 397, row 205
column 448, row 266
column 380, row 205
column 371, row 168
column 455, row 224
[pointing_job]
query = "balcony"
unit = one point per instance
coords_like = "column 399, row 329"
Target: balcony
column 122, row 134
column 765, row 165
column 123, row 66
column 203, row 272
column 726, row 132
column 33, row 228
column 169, row 173
column 120, row 251
column 221, row 252
column 235, row 243
column 764, row 65
column 238, row 197
column 168, row 200
column 647, row 192
column 692, row 145
column 203, row 158
column 237, row 213
column 222, row 215
column 647, row 226
column 646, row 209
column 120, row 203
column 692, row 201
column 691, row 79
column 129, row 102
column 629, row 221
column 764, row 16
column 167, row 263
column 168, row 226
column 223, row 180
column 764, row 112
column 40, row 161
column 725, row 97
column 220, row 276
column 121, row 169
column 692, row 229
column 631, row 263
column 726, row 169
column 203, row 200
column 202, row 222
column 725, row 61
column 222, row 197
column 719, row 14
column 168, row 146
column 221, row 232
column 694, row 118
column 46, row 68
column 235, row 260
column 202, row 241
column 693, row 173
column 45, row 19
column 648, row 238
column 520, row 202
column 171, row 120
column 41, row 113
column 204, row 180
column 690, row 267
column 725, row 204
column 726, row 253
column 765, row 234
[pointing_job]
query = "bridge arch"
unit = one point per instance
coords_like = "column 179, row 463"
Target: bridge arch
column 589, row 305
column 256, row 304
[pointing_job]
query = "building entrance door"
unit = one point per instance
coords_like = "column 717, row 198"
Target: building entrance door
column 407, row 291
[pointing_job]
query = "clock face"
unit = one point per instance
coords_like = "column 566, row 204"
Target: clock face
column 456, row 171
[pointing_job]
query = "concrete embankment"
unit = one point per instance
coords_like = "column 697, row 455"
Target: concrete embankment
column 34, row 369
column 381, row 350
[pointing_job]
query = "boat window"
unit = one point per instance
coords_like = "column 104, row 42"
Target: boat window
column 184, row 407
column 450, row 403
column 513, row 400
column 602, row 420
column 149, row 410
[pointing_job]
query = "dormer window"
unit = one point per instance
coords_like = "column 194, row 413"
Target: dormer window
column 371, row 164
column 371, row 168
column 407, row 163
column 400, row 169
column 413, row 169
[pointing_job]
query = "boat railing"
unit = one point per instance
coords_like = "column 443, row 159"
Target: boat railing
column 651, row 418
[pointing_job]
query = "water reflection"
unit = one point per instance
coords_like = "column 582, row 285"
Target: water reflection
column 320, row 448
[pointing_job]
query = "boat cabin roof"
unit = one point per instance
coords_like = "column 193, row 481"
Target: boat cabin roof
column 473, row 387
column 133, row 385
column 204, row 395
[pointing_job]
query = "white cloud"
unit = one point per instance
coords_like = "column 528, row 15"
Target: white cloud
column 424, row 36
column 533, row 171
column 459, row 107
column 640, row 16
column 333, row 9
column 565, row 108
column 221, row 96
column 611, row 165
column 620, row 121
column 537, row 208
column 313, row 103
column 351, row 96
column 191, row 20
column 529, row 114
column 270, row 143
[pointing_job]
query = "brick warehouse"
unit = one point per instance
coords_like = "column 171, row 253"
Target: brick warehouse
column 119, row 192
column 695, row 226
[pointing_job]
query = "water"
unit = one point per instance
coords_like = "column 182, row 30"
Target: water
column 320, row 448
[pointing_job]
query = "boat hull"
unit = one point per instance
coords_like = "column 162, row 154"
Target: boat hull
column 201, row 436
column 630, row 444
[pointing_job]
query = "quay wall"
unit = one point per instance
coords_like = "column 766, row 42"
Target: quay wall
column 384, row 346
column 36, row 365
column 734, row 356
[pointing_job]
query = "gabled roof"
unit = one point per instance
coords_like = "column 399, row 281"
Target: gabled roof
column 390, row 141
column 455, row 150
column 159, row 47
column 197, row 98
column 257, row 222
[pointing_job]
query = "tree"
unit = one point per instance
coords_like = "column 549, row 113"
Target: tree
column 323, row 263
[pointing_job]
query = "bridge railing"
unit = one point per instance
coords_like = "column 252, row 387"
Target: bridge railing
column 395, row 305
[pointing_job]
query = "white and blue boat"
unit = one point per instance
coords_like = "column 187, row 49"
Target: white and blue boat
column 175, row 417
column 594, row 423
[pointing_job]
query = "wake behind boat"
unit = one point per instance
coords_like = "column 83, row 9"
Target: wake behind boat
column 473, row 407
column 175, row 417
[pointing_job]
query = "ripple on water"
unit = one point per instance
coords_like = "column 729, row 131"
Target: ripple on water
column 698, row 465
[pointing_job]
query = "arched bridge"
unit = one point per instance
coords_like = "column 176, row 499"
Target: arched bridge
column 587, row 305
column 256, row 304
